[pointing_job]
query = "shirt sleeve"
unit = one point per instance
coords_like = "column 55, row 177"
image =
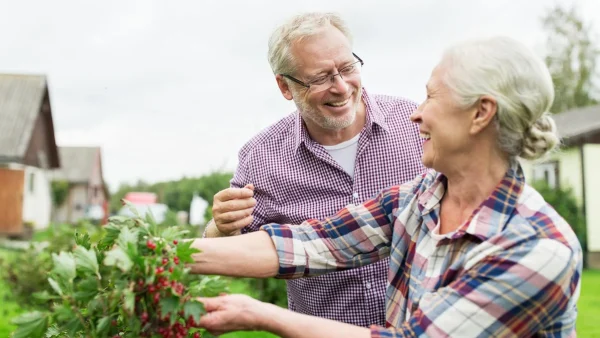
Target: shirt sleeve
column 356, row 236
column 517, row 292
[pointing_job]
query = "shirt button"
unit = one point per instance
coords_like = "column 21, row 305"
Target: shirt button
column 368, row 285
column 355, row 195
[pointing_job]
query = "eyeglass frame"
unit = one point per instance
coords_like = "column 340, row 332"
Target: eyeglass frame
column 307, row 85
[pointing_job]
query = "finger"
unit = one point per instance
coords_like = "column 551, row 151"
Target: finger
column 233, row 193
column 230, row 228
column 249, row 186
column 232, row 216
column 211, row 303
column 233, row 205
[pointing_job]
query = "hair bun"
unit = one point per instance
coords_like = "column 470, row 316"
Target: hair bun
column 540, row 138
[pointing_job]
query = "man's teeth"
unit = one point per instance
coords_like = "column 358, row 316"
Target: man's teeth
column 338, row 104
column 425, row 136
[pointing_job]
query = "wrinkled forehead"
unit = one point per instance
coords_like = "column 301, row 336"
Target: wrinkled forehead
column 326, row 49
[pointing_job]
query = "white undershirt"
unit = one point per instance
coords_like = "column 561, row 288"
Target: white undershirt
column 345, row 154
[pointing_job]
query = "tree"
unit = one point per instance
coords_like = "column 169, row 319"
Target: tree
column 572, row 56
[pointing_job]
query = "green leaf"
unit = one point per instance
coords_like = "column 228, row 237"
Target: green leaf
column 55, row 286
column 128, row 301
column 111, row 233
column 169, row 305
column 117, row 257
column 44, row 295
column 63, row 312
column 53, row 332
column 64, row 266
column 30, row 325
column 206, row 334
column 209, row 286
column 128, row 241
column 103, row 324
column 83, row 240
column 173, row 232
column 86, row 260
column 185, row 251
column 73, row 326
column 193, row 308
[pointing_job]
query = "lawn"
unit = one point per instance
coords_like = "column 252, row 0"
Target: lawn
column 589, row 305
column 587, row 322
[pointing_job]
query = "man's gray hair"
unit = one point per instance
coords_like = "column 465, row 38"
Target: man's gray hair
column 293, row 31
column 520, row 82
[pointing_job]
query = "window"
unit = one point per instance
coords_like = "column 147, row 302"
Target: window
column 547, row 172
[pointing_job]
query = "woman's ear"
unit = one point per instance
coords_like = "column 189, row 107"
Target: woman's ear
column 486, row 110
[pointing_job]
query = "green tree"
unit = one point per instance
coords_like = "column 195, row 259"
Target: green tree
column 563, row 200
column 572, row 55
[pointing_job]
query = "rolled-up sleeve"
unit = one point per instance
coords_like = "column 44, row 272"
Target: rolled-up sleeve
column 357, row 235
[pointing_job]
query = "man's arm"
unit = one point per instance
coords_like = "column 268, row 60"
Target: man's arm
column 249, row 255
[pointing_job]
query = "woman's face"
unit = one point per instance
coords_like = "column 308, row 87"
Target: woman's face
column 443, row 124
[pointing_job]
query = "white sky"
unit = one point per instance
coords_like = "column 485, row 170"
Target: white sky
column 173, row 88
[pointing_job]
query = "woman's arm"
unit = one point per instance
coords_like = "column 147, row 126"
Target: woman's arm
column 242, row 313
column 357, row 235
column 249, row 255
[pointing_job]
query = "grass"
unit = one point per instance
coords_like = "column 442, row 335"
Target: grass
column 8, row 308
column 587, row 321
column 589, row 305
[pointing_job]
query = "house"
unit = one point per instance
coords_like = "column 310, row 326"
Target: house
column 87, row 196
column 144, row 203
column 27, row 150
column 576, row 166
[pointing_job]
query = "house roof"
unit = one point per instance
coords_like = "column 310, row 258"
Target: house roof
column 578, row 125
column 21, row 99
column 77, row 164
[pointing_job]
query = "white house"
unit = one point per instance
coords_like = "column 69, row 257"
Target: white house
column 88, row 195
column 576, row 165
column 27, row 150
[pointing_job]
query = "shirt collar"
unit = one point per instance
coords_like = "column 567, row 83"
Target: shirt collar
column 374, row 116
column 492, row 215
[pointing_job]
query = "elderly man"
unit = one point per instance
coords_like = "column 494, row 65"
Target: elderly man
column 342, row 146
column 475, row 251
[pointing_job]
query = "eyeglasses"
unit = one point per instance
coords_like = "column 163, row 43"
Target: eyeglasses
column 325, row 82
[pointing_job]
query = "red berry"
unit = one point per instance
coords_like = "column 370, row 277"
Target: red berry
column 151, row 288
column 175, row 242
column 160, row 270
column 176, row 260
column 156, row 297
column 141, row 282
column 171, row 269
column 144, row 317
column 197, row 335
column 165, row 261
column 150, row 245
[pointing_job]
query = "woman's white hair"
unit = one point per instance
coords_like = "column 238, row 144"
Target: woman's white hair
column 293, row 31
column 519, row 81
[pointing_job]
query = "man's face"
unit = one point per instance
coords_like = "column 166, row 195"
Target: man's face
column 326, row 53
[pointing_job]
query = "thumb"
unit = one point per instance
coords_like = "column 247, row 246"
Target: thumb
column 250, row 186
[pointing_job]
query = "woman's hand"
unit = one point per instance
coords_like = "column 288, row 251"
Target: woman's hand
column 229, row 313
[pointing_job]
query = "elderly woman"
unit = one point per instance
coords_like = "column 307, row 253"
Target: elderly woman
column 475, row 251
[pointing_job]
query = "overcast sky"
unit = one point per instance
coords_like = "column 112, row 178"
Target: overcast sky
column 173, row 88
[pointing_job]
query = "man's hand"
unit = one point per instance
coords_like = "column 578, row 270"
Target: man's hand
column 232, row 209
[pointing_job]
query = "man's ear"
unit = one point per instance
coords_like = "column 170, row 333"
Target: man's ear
column 284, row 87
column 485, row 112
